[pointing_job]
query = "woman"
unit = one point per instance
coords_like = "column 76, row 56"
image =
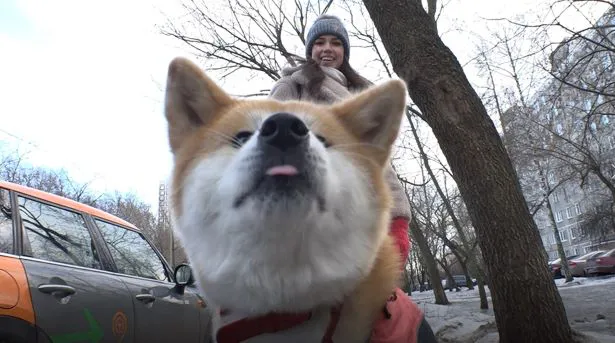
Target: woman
column 327, row 77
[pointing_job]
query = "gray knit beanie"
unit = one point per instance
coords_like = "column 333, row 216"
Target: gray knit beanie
column 327, row 25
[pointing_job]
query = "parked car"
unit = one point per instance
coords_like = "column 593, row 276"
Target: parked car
column 70, row 272
column 460, row 280
column 601, row 264
column 577, row 264
column 556, row 266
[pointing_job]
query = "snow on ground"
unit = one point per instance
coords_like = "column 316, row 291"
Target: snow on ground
column 589, row 302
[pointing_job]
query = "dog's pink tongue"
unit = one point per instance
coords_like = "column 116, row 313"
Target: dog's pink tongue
column 286, row 170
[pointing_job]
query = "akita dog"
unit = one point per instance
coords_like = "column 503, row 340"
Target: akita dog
column 283, row 208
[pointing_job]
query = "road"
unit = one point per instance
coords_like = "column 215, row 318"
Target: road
column 584, row 303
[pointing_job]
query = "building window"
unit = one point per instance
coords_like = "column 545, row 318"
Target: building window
column 577, row 209
column 565, row 193
column 555, row 197
column 558, row 216
column 574, row 233
column 569, row 213
column 563, row 235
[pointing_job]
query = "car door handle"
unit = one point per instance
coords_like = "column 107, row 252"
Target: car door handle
column 56, row 288
column 146, row 298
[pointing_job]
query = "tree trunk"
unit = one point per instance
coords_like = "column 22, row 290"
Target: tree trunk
column 462, row 263
column 412, row 279
column 449, row 276
column 422, row 280
column 447, row 204
column 565, row 269
column 464, row 268
column 430, row 262
column 484, row 303
column 507, row 234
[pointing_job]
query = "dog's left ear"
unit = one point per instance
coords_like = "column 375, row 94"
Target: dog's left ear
column 192, row 100
column 375, row 115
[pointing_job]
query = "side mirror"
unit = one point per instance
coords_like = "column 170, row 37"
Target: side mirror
column 183, row 275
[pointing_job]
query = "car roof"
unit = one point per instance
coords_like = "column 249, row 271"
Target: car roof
column 62, row 201
column 591, row 253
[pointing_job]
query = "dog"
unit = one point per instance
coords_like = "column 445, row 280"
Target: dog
column 283, row 208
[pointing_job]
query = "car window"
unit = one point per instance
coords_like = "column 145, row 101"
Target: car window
column 6, row 223
column 132, row 254
column 54, row 234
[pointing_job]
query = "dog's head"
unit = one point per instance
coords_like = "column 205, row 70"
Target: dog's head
column 279, row 205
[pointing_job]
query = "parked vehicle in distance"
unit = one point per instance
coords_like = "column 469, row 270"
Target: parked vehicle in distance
column 70, row 272
column 577, row 264
column 556, row 267
column 460, row 280
column 601, row 264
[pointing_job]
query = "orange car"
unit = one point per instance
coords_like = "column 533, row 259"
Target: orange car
column 73, row 273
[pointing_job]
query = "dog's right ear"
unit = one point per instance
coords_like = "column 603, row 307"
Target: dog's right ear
column 192, row 100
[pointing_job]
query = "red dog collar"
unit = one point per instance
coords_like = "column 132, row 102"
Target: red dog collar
column 243, row 329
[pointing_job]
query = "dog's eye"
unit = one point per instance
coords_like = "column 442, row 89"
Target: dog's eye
column 323, row 140
column 241, row 138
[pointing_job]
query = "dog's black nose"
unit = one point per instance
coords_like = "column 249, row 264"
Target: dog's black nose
column 283, row 131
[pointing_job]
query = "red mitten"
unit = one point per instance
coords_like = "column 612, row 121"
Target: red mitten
column 399, row 322
column 399, row 232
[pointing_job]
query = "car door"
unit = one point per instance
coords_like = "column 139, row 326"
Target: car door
column 74, row 300
column 163, row 312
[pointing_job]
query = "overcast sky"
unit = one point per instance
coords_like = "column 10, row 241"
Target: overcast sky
column 81, row 83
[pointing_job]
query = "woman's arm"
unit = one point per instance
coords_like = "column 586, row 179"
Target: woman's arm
column 400, row 215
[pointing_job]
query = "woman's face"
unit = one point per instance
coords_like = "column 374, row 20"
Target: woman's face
column 328, row 51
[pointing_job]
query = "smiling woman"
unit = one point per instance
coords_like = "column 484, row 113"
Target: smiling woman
column 327, row 77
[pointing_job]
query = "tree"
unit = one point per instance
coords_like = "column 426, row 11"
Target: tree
column 482, row 169
column 567, row 125
column 14, row 168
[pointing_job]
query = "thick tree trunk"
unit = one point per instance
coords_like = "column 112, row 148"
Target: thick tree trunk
column 507, row 234
column 430, row 262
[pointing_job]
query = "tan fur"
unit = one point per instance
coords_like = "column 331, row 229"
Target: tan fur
column 202, row 117
column 367, row 302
